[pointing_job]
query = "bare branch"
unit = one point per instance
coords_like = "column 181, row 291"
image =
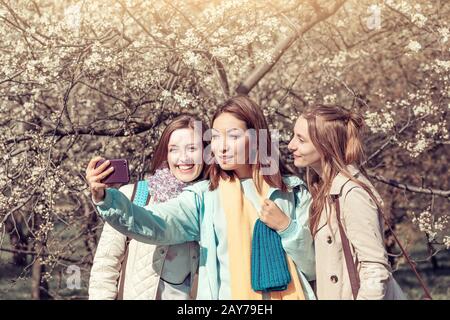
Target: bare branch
column 410, row 188
column 250, row 82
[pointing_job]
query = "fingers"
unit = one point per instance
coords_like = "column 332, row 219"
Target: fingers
column 104, row 174
column 93, row 162
column 101, row 168
column 265, row 207
column 268, row 208
column 268, row 204
column 272, row 216
column 263, row 216
column 97, row 178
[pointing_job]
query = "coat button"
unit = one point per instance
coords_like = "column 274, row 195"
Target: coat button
column 162, row 251
column 329, row 240
column 334, row 279
column 194, row 257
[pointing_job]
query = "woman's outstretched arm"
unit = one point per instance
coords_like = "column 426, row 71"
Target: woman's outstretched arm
column 172, row 222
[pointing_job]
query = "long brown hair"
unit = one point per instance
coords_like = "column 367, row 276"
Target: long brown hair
column 336, row 133
column 247, row 110
column 184, row 121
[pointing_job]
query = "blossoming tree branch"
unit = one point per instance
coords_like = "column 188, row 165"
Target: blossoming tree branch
column 79, row 79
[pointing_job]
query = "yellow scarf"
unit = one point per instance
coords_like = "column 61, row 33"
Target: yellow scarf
column 241, row 216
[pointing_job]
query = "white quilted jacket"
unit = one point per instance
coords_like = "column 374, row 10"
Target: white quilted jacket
column 145, row 265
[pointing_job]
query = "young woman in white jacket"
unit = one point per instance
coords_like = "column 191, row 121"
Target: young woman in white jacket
column 128, row 269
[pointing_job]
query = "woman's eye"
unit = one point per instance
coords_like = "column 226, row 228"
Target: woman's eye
column 234, row 137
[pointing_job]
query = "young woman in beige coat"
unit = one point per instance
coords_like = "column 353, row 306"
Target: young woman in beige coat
column 144, row 271
column 327, row 141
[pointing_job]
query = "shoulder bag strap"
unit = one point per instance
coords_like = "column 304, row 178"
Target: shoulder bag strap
column 351, row 265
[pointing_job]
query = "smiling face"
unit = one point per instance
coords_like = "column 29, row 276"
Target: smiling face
column 304, row 152
column 184, row 154
column 229, row 142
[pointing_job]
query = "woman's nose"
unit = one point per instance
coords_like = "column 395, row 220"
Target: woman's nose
column 182, row 156
column 291, row 145
column 224, row 145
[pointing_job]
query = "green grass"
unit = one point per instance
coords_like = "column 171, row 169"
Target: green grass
column 437, row 281
column 11, row 287
column 15, row 287
column 15, row 283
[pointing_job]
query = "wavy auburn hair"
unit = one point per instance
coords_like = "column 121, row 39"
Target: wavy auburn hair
column 336, row 133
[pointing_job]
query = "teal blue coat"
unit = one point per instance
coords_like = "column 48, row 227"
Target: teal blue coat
column 189, row 217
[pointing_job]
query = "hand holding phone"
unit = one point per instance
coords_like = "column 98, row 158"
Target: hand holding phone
column 101, row 174
column 119, row 175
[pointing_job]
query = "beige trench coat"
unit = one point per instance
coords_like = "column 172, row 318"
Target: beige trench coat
column 363, row 227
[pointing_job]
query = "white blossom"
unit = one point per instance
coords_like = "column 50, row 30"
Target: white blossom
column 444, row 33
column 447, row 242
column 379, row 122
column 414, row 46
column 73, row 16
column 419, row 19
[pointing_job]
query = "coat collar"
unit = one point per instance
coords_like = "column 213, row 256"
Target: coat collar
column 290, row 181
column 340, row 180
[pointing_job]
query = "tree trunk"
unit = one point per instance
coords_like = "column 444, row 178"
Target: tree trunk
column 90, row 240
column 17, row 240
column 39, row 285
column 389, row 240
column 433, row 260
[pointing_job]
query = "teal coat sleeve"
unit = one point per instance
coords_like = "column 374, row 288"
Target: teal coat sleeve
column 297, row 239
column 172, row 222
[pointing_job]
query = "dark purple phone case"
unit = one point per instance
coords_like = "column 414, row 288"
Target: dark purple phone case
column 120, row 174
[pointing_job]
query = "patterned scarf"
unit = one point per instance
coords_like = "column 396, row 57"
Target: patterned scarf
column 163, row 185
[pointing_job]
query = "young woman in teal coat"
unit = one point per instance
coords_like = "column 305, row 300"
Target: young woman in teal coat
column 248, row 249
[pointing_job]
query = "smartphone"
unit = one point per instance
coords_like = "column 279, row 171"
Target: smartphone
column 121, row 173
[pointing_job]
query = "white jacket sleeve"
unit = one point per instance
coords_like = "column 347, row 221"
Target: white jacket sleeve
column 105, row 271
column 103, row 282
